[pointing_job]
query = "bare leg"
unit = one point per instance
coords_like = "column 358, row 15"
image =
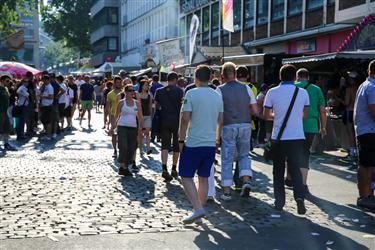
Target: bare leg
column 82, row 115
column 192, row 193
column 146, row 134
column 164, row 156
column 175, row 158
column 202, row 189
column 114, row 142
column 89, row 116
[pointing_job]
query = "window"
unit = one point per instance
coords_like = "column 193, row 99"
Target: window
column 215, row 20
column 248, row 13
column 237, row 15
column 112, row 43
column 112, row 15
column 262, row 12
column 294, row 7
column 206, row 23
column 312, row 4
column 277, row 9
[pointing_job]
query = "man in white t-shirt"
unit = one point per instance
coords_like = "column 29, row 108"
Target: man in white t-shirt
column 202, row 111
column 291, row 146
column 62, row 100
column 46, row 101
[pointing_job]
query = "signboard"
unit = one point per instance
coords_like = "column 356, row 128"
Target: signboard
column 305, row 46
column 191, row 5
column 169, row 52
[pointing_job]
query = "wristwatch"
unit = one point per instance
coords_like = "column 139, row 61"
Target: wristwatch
column 181, row 141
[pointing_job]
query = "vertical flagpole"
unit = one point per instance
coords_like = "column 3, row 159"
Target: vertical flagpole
column 222, row 30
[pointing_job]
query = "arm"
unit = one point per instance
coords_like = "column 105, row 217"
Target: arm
column 305, row 112
column 323, row 120
column 254, row 109
column 61, row 92
column 150, row 104
column 219, row 128
column 184, row 123
column 268, row 114
column 118, row 112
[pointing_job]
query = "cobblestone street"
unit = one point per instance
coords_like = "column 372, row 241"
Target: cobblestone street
column 71, row 188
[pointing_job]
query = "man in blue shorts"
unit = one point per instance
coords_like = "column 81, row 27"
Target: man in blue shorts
column 202, row 111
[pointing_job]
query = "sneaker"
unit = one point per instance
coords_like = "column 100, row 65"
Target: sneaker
column 125, row 172
column 135, row 168
column 195, row 216
column 301, row 209
column 366, row 202
column 114, row 156
column 246, row 188
column 174, row 173
column 288, row 183
column 166, row 176
column 226, row 197
column 8, row 147
column 54, row 136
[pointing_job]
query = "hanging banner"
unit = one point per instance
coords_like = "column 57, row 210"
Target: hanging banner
column 227, row 7
column 194, row 25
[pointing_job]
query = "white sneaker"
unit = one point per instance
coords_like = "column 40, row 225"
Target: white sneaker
column 226, row 197
column 195, row 216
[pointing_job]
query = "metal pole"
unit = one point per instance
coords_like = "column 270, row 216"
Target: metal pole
column 222, row 32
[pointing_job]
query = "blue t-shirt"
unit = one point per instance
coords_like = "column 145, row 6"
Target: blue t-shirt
column 155, row 87
column 364, row 123
column 87, row 91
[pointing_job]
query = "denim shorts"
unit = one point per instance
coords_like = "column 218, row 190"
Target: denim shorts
column 197, row 159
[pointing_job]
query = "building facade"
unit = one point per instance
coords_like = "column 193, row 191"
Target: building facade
column 143, row 23
column 105, row 36
column 28, row 53
column 275, row 26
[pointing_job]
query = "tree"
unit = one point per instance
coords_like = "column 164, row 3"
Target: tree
column 69, row 21
column 10, row 11
column 57, row 52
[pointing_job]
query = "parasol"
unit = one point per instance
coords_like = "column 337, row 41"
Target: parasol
column 16, row 69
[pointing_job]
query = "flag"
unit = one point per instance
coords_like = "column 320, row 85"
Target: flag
column 194, row 25
column 227, row 7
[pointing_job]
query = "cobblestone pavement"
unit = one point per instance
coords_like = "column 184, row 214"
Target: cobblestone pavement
column 71, row 187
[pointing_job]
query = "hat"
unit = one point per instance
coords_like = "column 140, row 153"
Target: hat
column 352, row 74
column 264, row 86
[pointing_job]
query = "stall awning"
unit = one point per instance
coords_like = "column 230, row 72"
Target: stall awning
column 368, row 54
column 141, row 72
column 247, row 60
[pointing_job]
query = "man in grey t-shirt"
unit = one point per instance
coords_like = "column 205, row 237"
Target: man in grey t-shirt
column 239, row 105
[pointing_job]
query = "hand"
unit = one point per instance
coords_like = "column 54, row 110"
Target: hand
column 181, row 146
column 323, row 132
column 218, row 143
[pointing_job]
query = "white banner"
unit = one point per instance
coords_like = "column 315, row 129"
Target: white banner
column 194, row 25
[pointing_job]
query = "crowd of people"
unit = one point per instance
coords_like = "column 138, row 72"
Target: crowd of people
column 194, row 122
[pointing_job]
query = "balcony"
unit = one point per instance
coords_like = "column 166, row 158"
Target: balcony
column 105, row 31
column 100, row 4
column 352, row 13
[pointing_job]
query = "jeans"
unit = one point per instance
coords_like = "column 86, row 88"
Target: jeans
column 22, row 120
column 235, row 138
column 293, row 152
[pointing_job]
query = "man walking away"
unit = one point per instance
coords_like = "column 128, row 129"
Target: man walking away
column 364, row 121
column 239, row 105
column 46, row 102
column 315, row 123
column 87, row 98
column 290, row 146
column 203, row 110
column 168, row 100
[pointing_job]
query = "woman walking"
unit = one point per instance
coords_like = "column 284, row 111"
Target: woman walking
column 128, row 111
column 146, row 103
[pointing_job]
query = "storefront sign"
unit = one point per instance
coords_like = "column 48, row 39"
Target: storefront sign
column 305, row 46
column 169, row 52
column 190, row 5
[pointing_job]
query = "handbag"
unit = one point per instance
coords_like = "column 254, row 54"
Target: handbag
column 16, row 111
column 271, row 144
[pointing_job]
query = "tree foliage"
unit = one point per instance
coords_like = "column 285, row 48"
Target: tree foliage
column 57, row 52
column 10, row 11
column 69, row 21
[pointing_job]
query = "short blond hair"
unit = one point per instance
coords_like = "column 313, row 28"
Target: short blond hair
column 228, row 69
